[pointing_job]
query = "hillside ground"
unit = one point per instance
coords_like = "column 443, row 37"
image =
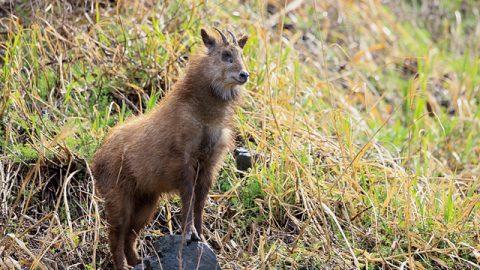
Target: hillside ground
column 365, row 115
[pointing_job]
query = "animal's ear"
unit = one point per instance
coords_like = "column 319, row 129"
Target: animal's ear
column 208, row 40
column 242, row 41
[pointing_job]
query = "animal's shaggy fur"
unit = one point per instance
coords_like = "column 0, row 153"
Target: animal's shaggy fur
column 178, row 147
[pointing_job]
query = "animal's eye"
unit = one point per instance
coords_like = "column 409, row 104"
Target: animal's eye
column 227, row 57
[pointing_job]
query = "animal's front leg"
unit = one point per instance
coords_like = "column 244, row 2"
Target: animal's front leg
column 188, row 197
column 201, row 193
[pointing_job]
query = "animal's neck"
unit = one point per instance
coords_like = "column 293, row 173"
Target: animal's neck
column 198, row 92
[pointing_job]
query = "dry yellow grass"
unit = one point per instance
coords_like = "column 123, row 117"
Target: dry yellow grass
column 366, row 116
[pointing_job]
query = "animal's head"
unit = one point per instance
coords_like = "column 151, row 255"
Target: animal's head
column 223, row 64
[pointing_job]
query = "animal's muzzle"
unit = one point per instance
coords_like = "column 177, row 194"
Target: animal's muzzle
column 243, row 76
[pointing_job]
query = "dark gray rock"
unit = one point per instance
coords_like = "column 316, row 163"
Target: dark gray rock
column 243, row 158
column 195, row 255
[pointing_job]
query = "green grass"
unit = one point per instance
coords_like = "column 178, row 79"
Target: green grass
column 367, row 118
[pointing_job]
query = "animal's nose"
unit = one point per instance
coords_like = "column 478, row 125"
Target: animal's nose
column 244, row 76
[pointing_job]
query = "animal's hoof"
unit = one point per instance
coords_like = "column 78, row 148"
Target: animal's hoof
column 194, row 239
column 192, row 236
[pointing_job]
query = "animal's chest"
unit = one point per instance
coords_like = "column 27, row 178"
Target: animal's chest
column 213, row 138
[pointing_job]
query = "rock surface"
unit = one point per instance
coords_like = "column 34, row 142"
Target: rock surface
column 195, row 255
column 243, row 158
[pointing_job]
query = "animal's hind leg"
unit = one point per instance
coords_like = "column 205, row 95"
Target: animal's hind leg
column 144, row 209
column 118, row 216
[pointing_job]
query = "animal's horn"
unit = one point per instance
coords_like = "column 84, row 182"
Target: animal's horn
column 233, row 37
column 224, row 38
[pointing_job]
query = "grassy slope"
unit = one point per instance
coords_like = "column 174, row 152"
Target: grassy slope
column 367, row 117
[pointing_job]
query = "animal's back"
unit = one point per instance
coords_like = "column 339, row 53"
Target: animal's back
column 135, row 154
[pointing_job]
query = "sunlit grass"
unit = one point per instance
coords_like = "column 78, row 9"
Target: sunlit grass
column 365, row 119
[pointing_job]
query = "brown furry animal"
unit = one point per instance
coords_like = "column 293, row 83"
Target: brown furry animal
column 178, row 147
